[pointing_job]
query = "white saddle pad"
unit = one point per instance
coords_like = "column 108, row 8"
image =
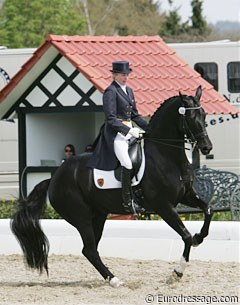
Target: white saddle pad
column 107, row 180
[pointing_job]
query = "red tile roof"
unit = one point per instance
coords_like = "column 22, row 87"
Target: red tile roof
column 158, row 73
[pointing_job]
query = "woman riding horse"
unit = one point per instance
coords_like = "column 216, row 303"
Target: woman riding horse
column 75, row 197
column 120, row 110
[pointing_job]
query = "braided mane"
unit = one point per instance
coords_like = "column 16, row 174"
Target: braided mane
column 155, row 117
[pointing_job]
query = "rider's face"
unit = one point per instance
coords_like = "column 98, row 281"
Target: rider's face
column 121, row 78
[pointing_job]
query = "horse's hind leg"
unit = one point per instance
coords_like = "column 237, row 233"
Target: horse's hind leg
column 98, row 225
column 79, row 215
column 193, row 200
column 90, row 252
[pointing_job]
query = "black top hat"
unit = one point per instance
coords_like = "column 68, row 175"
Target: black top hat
column 121, row 67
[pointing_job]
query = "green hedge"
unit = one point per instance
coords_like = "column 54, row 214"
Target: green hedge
column 9, row 207
column 217, row 216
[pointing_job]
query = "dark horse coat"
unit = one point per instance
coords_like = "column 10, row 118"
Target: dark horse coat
column 117, row 106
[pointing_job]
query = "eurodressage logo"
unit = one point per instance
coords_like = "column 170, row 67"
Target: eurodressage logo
column 4, row 78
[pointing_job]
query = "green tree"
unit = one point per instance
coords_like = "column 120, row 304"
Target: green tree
column 199, row 25
column 137, row 17
column 172, row 25
column 194, row 29
column 26, row 23
column 121, row 17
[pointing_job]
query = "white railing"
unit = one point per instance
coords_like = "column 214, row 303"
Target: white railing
column 141, row 239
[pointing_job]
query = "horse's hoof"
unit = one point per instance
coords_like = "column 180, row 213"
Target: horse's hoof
column 115, row 282
column 178, row 273
column 172, row 279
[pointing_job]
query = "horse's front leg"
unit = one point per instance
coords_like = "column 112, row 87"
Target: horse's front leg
column 188, row 241
column 170, row 215
column 199, row 237
column 192, row 199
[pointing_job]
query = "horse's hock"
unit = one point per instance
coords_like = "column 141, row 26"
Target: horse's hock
column 221, row 189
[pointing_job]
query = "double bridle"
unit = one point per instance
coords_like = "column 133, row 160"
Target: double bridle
column 186, row 129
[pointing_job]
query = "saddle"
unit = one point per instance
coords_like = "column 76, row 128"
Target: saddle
column 135, row 154
column 112, row 179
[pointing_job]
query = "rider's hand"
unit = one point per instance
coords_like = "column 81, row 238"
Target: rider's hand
column 135, row 132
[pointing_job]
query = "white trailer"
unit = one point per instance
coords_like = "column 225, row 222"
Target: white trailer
column 11, row 61
column 219, row 63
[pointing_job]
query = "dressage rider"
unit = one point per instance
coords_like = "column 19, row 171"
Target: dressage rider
column 120, row 111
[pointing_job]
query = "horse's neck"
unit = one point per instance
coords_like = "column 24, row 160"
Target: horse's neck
column 166, row 124
column 164, row 136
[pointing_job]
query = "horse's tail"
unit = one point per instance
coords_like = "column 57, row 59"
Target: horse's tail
column 26, row 227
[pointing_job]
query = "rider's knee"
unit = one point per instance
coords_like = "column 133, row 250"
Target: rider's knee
column 126, row 164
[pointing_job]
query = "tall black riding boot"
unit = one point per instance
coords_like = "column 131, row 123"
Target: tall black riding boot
column 128, row 202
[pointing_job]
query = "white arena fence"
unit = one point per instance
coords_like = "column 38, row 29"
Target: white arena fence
column 142, row 239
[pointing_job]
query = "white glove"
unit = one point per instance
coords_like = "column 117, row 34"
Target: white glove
column 135, row 132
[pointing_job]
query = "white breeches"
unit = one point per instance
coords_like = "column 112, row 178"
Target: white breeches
column 121, row 150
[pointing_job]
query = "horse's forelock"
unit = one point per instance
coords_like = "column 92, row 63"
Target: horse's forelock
column 190, row 101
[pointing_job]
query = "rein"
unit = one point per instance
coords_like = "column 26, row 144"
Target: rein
column 163, row 142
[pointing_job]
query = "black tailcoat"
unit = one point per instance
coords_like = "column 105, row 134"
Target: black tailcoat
column 117, row 106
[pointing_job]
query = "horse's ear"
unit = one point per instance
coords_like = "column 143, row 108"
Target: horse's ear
column 180, row 94
column 198, row 94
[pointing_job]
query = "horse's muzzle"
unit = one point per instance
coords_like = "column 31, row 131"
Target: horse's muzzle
column 205, row 145
column 205, row 150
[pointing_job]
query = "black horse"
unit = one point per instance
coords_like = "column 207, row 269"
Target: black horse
column 74, row 196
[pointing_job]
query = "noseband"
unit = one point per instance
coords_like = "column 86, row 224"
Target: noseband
column 186, row 129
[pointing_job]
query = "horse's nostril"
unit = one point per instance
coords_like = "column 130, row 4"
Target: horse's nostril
column 205, row 150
